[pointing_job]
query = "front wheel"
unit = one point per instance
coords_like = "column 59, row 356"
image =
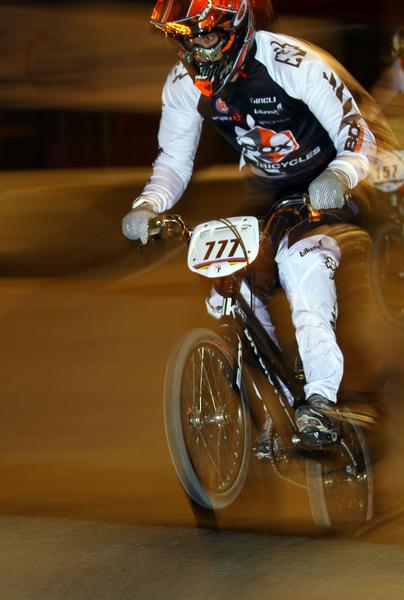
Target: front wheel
column 207, row 420
column 340, row 482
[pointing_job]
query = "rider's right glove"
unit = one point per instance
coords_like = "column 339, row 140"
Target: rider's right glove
column 329, row 190
column 135, row 225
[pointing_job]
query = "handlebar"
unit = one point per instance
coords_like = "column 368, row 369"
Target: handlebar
column 172, row 226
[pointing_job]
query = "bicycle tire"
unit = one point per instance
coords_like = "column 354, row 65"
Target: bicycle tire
column 218, row 422
column 387, row 272
column 340, row 486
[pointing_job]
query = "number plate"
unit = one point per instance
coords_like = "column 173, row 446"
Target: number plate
column 219, row 248
column 387, row 173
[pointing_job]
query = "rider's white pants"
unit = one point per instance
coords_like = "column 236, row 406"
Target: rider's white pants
column 306, row 272
column 215, row 302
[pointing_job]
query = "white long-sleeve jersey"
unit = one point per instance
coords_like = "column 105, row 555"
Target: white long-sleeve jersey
column 287, row 113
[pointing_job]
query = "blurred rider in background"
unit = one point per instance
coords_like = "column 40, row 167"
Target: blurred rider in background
column 297, row 128
column 388, row 91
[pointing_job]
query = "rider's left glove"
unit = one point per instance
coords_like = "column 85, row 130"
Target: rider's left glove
column 329, row 190
column 135, row 225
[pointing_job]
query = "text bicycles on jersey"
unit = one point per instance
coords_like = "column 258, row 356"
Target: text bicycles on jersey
column 218, row 382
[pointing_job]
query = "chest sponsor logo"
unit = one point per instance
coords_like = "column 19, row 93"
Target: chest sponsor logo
column 274, row 111
column 237, row 117
column 261, row 143
column 288, row 54
column 273, row 122
column 221, row 106
column 276, row 168
column 266, row 100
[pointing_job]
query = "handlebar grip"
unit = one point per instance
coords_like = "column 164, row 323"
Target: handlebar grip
column 306, row 199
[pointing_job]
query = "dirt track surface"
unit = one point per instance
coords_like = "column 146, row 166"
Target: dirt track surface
column 87, row 323
column 79, row 560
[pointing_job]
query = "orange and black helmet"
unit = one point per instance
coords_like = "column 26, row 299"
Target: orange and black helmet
column 232, row 20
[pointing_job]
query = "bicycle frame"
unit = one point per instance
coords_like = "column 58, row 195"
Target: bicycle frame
column 255, row 352
column 253, row 348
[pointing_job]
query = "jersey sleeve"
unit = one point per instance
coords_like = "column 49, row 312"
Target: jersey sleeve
column 178, row 139
column 306, row 76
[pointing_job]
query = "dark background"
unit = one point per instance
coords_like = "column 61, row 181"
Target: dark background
column 48, row 138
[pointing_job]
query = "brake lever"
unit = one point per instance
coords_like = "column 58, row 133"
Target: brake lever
column 156, row 227
column 168, row 227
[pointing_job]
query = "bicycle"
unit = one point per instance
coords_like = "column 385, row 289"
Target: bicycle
column 217, row 382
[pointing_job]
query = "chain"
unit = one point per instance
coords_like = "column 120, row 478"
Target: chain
column 275, row 468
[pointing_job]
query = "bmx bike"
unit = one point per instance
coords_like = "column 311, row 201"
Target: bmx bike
column 219, row 383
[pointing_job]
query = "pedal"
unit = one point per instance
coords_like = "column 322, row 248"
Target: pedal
column 314, row 440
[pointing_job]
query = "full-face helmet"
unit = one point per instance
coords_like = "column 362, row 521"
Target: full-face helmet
column 231, row 29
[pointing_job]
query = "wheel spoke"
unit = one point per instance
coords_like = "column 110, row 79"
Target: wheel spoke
column 341, row 488
column 206, row 379
column 212, row 418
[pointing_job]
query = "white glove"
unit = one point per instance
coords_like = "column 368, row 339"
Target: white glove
column 135, row 225
column 328, row 190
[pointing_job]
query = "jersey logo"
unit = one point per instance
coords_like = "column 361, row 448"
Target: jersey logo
column 332, row 265
column 339, row 89
column 288, row 54
column 178, row 73
column 267, row 144
column 221, row 106
column 351, row 118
